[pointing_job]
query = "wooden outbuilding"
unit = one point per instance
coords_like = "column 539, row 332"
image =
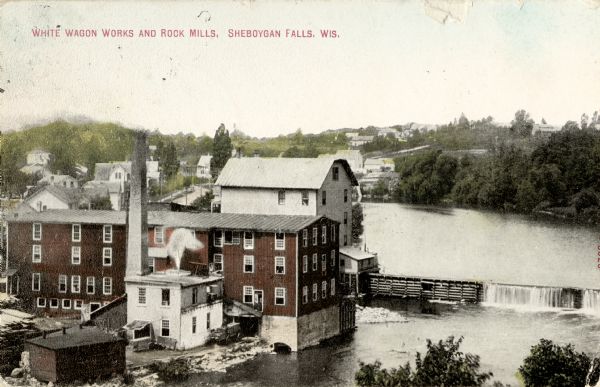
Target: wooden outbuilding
column 76, row 354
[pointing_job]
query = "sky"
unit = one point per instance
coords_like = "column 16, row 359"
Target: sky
column 392, row 63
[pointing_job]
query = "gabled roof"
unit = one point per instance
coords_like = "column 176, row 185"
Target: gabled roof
column 64, row 194
column 103, row 170
column 291, row 173
column 204, row 160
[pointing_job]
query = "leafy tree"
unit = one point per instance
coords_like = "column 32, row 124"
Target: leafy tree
column 522, row 125
column 222, row 148
column 570, row 126
column 442, row 365
column 203, row 203
column 12, row 343
column 357, row 222
column 167, row 158
column 101, row 203
column 552, row 365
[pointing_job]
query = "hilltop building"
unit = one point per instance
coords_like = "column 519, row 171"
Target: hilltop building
column 290, row 186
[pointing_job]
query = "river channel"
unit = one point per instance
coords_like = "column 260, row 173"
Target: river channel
column 457, row 244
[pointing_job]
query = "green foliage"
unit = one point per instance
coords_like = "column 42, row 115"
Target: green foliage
column 222, row 148
column 101, row 203
column 551, row 365
column 167, row 158
column 522, row 125
column 203, row 203
column 442, row 365
column 12, row 343
column 175, row 370
column 357, row 222
column 425, row 178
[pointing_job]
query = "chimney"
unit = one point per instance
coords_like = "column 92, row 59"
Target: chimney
column 137, row 215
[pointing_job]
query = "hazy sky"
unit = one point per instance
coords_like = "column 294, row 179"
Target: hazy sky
column 392, row 63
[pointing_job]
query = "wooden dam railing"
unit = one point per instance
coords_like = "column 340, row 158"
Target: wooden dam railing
column 392, row 285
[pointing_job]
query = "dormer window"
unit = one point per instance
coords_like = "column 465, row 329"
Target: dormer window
column 336, row 173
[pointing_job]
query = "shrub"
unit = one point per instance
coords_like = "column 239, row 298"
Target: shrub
column 551, row 365
column 175, row 370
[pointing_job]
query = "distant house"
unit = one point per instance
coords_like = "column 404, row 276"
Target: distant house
column 389, row 131
column 112, row 189
column 353, row 263
column 290, row 186
column 203, row 167
column 378, row 165
column 38, row 156
column 120, row 171
column 54, row 197
column 81, row 352
column 370, row 180
column 60, row 180
column 357, row 141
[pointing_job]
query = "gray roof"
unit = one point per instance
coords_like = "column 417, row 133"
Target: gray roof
column 65, row 194
column 356, row 253
column 294, row 173
column 103, row 170
column 75, row 337
column 171, row 278
column 195, row 220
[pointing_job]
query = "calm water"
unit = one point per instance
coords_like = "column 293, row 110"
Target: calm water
column 450, row 243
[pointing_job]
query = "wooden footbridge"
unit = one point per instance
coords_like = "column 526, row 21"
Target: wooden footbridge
column 392, row 285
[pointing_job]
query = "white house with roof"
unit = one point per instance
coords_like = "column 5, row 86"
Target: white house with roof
column 203, row 167
column 120, row 172
column 38, row 156
column 357, row 141
column 378, row 165
column 112, row 188
column 354, row 262
column 53, row 197
column 60, row 180
column 290, row 186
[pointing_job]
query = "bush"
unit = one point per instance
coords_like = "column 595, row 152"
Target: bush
column 442, row 365
column 175, row 370
column 12, row 343
column 551, row 365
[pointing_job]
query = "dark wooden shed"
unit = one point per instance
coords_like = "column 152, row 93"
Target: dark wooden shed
column 79, row 353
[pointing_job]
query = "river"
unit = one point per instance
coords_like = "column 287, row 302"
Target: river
column 460, row 244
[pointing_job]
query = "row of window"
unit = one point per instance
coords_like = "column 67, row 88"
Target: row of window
column 280, row 295
column 315, row 235
column 315, row 291
column 234, row 237
column 36, row 255
column 315, row 262
column 304, row 197
column 107, row 233
column 56, row 303
column 63, row 284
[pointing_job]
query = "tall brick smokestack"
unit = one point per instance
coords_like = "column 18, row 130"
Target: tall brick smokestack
column 137, row 237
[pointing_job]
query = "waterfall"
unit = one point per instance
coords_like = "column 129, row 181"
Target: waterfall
column 528, row 296
column 591, row 301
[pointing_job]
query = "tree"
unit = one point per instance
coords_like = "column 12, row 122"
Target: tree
column 12, row 343
column 203, row 202
column 551, row 365
column 442, row 365
column 522, row 125
column 222, row 148
column 167, row 158
column 357, row 222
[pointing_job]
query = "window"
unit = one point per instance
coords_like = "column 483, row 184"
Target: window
column 323, row 262
column 279, row 265
column 194, row 295
column 208, row 320
column 314, row 262
column 314, row 236
column 76, row 255
column 142, row 296
column 305, row 264
column 333, row 232
column 77, row 304
column 279, row 241
column 76, row 233
column 37, row 231
column 228, row 237
column 218, row 241
column 218, row 262
column 281, row 197
column 342, row 262
column 324, row 235
column 345, row 218
column 41, row 302
column 248, row 294
column 305, row 198
column 235, row 238
column 36, row 281
column 305, row 238
column 54, row 303
column 248, row 240
column 107, row 285
column 164, row 328
column 333, row 286
column 66, row 303
column 36, row 255
column 345, row 195
column 159, row 235
column 279, row 296
column 150, row 261
column 166, row 297
column 324, row 197
column 324, row 289
column 106, row 256
column 107, row 234
column 336, row 173
column 62, row 283
column 305, row 294
column 315, row 290
column 248, row 263
column 345, row 240
column 332, row 258
column 75, row 284
column 193, row 324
